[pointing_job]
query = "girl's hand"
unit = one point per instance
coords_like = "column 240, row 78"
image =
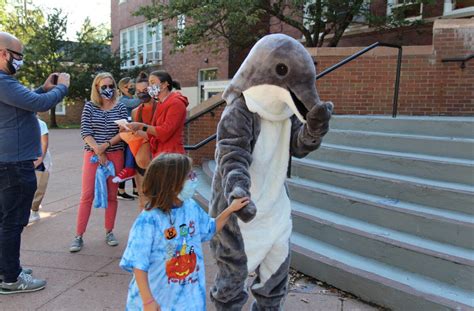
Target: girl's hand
column 152, row 307
column 103, row 159
column 238, row 204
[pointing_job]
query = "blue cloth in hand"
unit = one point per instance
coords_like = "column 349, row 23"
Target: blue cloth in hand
column 100, row 188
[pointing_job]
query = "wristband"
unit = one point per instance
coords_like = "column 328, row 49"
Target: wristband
column 148, row 302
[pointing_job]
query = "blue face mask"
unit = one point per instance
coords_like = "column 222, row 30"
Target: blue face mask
column 189, row 188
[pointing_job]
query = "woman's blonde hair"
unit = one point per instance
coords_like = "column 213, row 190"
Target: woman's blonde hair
column 164, row 180
column 123, row 82
column 96, row 99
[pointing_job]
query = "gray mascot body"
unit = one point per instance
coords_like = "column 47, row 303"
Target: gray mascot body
column 273, row 111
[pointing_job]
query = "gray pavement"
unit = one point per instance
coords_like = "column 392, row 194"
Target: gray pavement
column 91, row 279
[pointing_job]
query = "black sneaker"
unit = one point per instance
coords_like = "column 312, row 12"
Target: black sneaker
column 135, row 194
column 125, row 196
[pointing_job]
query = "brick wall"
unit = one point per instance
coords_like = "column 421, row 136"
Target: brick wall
column 365, row 86
column 72, row 116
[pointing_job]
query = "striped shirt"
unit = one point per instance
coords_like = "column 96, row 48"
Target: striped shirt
column 100, row 124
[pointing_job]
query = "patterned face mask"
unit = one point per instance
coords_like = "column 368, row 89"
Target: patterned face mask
column 108, row 93
column 154, row 90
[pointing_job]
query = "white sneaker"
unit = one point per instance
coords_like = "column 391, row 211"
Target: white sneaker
column 34, row 216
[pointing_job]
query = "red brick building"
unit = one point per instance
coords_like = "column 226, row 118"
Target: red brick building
column 203, row 74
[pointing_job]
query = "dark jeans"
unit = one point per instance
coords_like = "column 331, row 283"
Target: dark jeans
column 17, row 189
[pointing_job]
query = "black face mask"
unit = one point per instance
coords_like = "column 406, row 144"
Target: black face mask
column 144, row 97
column 131, row 91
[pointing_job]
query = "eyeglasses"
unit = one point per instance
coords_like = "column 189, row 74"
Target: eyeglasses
column 20, row 55
column 110, row 86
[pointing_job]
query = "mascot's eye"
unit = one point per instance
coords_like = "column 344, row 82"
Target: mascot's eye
column 281, row 69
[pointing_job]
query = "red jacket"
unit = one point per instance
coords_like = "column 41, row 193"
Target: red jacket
column 168, row 121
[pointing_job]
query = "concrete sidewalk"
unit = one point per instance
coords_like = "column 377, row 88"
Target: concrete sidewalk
column 91, row 279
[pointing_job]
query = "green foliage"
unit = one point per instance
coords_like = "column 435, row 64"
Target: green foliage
column 89, row 56
column 242, row 22
column 207, row 21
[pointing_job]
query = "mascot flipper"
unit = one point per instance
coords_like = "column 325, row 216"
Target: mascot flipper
column 273, row 110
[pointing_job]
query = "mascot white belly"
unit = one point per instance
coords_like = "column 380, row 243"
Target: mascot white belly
column 267, row 174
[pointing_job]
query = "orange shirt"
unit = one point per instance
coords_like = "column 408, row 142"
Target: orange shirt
column 146, row 113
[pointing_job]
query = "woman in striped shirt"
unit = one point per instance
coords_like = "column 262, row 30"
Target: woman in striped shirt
column 101, row 136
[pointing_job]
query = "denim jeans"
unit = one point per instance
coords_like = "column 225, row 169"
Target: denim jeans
column 17, row 188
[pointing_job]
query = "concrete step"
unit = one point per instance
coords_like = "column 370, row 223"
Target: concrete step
column 375, row 281
column 414, row 125
column 365, row 277
column 441, row 195
column 461, row 148
column 422, row 166
column 443, row 262
column 435, row 224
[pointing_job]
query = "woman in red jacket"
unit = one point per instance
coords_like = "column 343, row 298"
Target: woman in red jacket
column 165, row 134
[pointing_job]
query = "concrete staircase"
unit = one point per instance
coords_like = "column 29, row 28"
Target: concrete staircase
column 384, row 210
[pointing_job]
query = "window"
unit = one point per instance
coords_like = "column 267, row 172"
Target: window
column 140, row 45
column 60, row 109
column 206, row 75
column 458, row 8
column 408, row 8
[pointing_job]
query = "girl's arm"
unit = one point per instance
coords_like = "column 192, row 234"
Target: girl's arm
column 236, row 205
column 149, row 302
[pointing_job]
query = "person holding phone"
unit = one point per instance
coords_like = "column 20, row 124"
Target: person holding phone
column 20, row 146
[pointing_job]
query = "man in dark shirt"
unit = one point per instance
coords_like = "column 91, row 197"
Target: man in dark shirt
column 19, row 146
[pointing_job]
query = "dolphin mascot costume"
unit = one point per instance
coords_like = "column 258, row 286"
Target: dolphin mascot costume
column 273, row 111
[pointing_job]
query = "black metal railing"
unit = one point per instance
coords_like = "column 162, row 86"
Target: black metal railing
column 363, row 51
column 462, row 59
column 320, row 75
column 210, row 109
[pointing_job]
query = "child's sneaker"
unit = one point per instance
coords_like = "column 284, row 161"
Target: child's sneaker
column 125, row 196
column 135, row 193
column 25, row 283
column 76, row 245
column 110, row 239
column 125, row 174
column 34, row 216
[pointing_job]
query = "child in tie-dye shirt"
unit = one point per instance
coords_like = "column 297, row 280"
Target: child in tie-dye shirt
column 164, row 247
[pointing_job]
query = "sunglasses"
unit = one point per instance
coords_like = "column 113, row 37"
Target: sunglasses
column 19, row 55
column 110, row 86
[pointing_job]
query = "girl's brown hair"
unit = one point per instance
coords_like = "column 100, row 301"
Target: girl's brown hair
column 164, row 180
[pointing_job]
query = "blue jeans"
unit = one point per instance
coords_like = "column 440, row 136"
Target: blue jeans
column 17, row 189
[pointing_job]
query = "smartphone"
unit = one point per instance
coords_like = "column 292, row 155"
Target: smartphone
column 55, row 79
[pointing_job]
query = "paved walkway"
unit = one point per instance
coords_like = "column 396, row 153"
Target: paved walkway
column 91, row 279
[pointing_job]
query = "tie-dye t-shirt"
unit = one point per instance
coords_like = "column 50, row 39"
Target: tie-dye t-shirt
column 168, row 247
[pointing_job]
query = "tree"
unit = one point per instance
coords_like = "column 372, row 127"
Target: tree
column 43, row 40
column 90, row 54
column 236, row 20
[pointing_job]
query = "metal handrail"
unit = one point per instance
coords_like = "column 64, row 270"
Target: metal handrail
column 320, row 75
column 197, row 116
column 461, row 59
column 363, row 51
